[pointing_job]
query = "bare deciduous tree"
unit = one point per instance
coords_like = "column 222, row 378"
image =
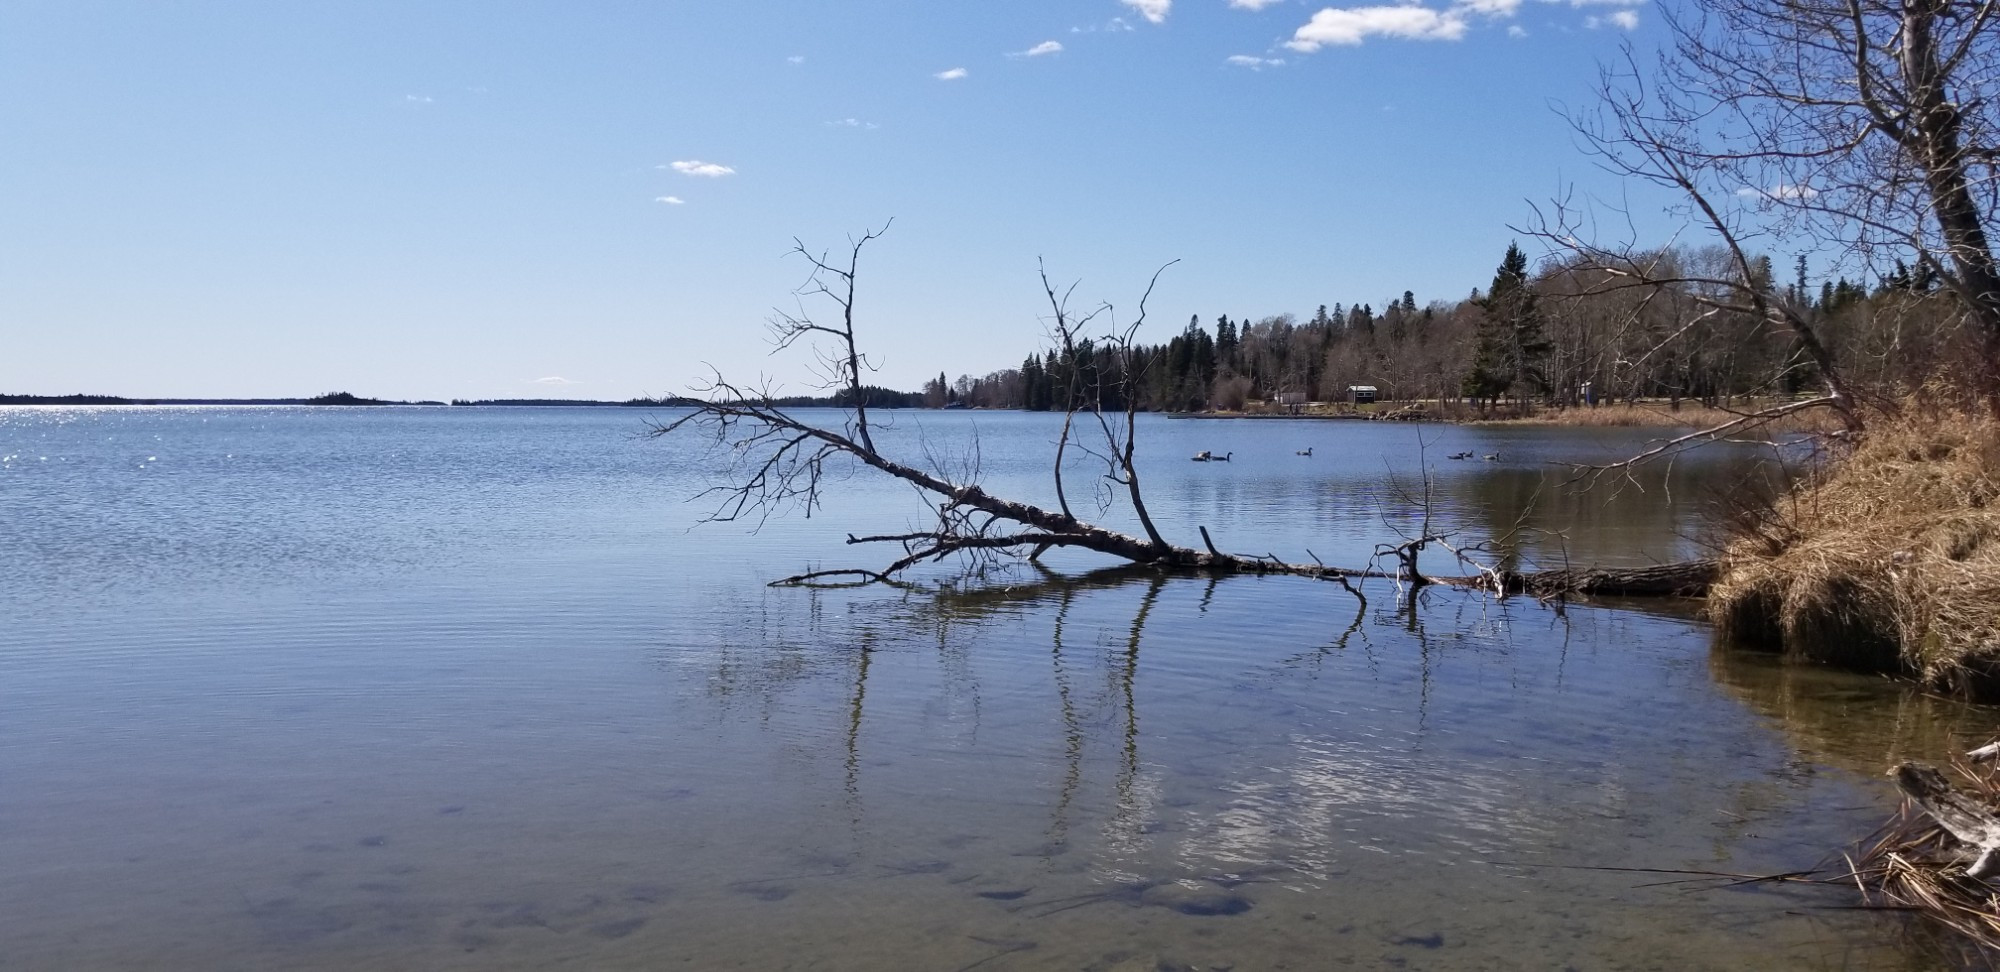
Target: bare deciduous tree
column 1862, row 128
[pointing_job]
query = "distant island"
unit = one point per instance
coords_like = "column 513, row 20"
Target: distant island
column 330, row 398
column 875, row 398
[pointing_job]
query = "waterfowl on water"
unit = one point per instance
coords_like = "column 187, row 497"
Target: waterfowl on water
column 1221, row 458
column 1460, row 455
column 1202, row 456
column 1491, row 457
column 1307, row 451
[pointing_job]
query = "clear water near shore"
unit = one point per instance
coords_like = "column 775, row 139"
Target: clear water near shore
column 468, row 688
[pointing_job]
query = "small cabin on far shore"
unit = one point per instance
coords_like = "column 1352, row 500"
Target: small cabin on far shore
column 1361, row 394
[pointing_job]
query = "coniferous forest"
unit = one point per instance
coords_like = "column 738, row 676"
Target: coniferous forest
column 1562, row 334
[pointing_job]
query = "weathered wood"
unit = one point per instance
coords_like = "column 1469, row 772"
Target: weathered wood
column 1962, row 816
column 1690, row 578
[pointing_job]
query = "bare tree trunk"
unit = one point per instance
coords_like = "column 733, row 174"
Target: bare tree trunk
column 1932, row 134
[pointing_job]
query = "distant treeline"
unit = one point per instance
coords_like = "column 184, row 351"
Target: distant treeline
column 331, row 398
column 874, row 397
column 1561, row 334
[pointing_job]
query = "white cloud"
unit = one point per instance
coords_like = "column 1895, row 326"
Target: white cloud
column 852, row 123
column 1491, row 8
column 1155, row 11
column 1253, row 4
column 796, row 59
column 415, row 99
column 1780, row 191
column 1516, row 31
column 1255, row 63
column 1601, row 3
column 553, row 380
column 696, row 167
column 952, row 75
column 1625, row 20
column 1350, row 26
column 1045, row 47
column 669, row 200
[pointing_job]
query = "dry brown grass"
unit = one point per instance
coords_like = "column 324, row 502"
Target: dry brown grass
column 1661, row 414
column 1888, row 559
column 1914, row 864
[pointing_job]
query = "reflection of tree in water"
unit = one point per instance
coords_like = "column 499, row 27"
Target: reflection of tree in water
column 1094, row 723
column 1539, row 514
column 1859, row 722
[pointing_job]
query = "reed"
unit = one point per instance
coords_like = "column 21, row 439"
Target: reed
column 1913, row 864
column 1653, row 414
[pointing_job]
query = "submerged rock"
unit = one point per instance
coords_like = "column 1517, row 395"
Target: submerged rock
column 1203, row 902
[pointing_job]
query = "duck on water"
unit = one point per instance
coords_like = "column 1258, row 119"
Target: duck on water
column 1207, row 456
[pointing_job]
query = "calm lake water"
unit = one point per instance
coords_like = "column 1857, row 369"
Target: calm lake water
column 408, row 688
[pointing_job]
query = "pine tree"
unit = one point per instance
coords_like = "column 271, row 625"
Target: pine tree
column 1513, row 352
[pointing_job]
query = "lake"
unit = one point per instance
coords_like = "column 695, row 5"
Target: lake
column 435, row 688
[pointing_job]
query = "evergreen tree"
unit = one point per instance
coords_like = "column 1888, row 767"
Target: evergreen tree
column 1512, row 352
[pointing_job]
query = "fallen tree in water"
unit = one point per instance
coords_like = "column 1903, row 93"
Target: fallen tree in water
column 778, row 461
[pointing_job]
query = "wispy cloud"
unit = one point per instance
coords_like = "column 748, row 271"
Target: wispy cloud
column 1489, row 8
column 1516, row 31
column 1350, row 26
column 1619, row 19
column 1117, row 25
column 417, row 99
column 1255, row 63
column 952, row 75
column 1779, row 191
column 669, row 200
column 1254, row 4
column 1045, row 47
column 1155, row 11
column 852, row 123
column 696, row 167
column 796, row 59
column 553, row 380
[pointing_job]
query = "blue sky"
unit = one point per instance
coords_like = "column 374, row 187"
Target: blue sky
column 493, row 199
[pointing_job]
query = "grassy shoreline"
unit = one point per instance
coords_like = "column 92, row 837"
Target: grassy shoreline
column 1648, row 414
column 1887, row 559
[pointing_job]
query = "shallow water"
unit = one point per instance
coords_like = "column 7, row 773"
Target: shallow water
column 454, row 688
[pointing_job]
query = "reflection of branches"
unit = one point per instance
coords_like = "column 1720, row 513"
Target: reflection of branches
column 1339, row 643
column 854, row 712
column 1128, row 677
column 1072, row 731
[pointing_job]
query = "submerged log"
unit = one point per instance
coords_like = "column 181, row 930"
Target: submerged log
column 1964, row 817
column 1686, row 579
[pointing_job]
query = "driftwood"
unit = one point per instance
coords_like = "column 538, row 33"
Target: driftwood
column 1967, row 819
